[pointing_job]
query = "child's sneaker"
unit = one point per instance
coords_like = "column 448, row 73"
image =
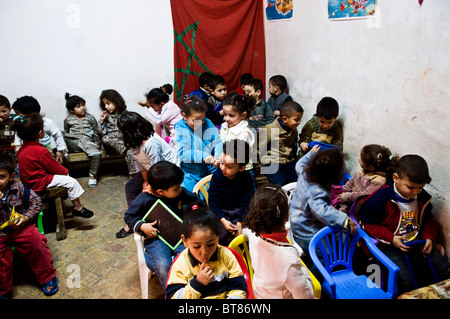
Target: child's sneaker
column 84, row 212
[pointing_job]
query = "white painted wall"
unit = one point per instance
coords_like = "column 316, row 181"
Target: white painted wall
column 391, row 77
column 50, row 47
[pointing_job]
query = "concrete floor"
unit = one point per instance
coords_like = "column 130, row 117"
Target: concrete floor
column 107, row 266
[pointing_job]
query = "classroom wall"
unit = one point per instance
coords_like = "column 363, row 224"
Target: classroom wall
column 50, row 47
column 390, row 75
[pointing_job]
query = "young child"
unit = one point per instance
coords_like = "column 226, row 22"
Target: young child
column 112, row 105
column 27, row 105
column 278, row 96
column 6, row 133
column 244, row 79
column 22, row 233
column 218, row 88
column 164, row 179
column 38, row 169
column 147, row 149
column 81, row 134
column 277, row 270
column 231, row 189
column 197, row 142
column 262, row 114
column 400, row 213
column 204, row 91
column 377, row 168
column 236, row 109
column 204, row 269
column 310, row 209
column 323, row 126
column 277, row 144
column 162, row 111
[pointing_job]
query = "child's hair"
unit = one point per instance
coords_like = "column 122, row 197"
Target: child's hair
column 380, row 158
column 204, row 78
column 280, row 81
column 135, row 129
column 325, row 168
column 163, row 175
column 193, row 104
column 198, row 216
column 327, row 108
column 26, row 105
column 72, row 101
column 268, row 210
column 239, row 150
column 256, row 84
column 7, row 163
column 240, row 103
column 114, row 97
column 245, row 78
column 4, row 101
column 28, row 126
column 288, row 108
column 215, row 81
column 160, row 95
column 414, row 167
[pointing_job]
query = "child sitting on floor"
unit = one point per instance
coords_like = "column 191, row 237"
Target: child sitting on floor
column 204, row 269
column 37, row 167
column 231, row 189
column 113, row 104
column 164, row 179
column 21, row 232
column 82, row 135
column 197, row 142
column 277, row 270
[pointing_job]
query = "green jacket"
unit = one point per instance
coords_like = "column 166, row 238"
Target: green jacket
column 311, row 131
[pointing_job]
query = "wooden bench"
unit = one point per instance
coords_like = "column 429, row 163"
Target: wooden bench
column 79, row 161
column 82, row 157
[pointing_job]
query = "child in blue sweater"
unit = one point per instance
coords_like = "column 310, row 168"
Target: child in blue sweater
column 231, row 189
column 198, row 142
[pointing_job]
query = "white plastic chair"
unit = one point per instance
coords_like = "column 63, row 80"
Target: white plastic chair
column 289, row 190
column 144, row 273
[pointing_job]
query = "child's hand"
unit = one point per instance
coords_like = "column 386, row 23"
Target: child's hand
column 209, row 159
column 316, row 148
column 276, row 113
column 229, row 226
column 23, row 220
column 304, row 146
column 428, row 247
column 144, row 104
column 149, row 230
column 59, row 156
column 398, row 243
column 205, row 274
column 103, row 116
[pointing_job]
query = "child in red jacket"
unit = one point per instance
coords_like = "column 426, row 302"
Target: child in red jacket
column 37, row 167
column 401, row 213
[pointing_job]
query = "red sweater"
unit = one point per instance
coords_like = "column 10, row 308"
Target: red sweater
column 37, row 166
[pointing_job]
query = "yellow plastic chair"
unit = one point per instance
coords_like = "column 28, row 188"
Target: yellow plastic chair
column 240, row 244
column 202, row 186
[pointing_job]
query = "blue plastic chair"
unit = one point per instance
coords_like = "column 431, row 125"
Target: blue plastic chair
column 340, row 281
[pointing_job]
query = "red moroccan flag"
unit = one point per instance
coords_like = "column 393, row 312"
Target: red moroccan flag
column 224, row 37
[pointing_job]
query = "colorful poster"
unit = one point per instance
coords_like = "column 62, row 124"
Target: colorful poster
column 351, row 9
column 279, row 9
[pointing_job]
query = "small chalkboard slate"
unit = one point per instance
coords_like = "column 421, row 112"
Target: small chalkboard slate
column 170, row 226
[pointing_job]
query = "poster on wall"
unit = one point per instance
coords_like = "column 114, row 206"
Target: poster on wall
column 279, row 9
column 351, row 9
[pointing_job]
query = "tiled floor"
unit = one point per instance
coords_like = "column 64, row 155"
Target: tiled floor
column 107, row 266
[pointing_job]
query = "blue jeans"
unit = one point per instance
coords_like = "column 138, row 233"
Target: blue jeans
column 286, row 174
column 159, row 257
